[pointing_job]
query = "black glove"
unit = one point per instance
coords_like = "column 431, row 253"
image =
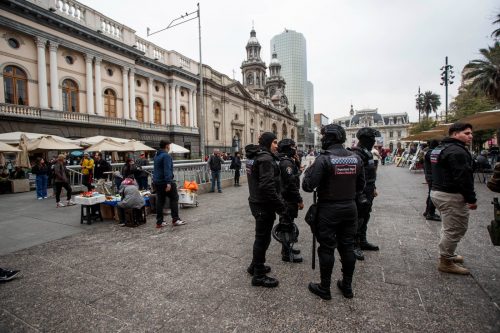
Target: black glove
column 361, row 199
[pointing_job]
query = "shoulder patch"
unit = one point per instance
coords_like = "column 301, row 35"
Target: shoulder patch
column 289, row 170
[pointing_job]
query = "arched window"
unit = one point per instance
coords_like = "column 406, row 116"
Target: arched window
column 157, row 109
column 292, row 134
column 109, row 103
column 284, row 131
column 16, row 85
column 250, row 78
column 70, row 96
column 184, row 117
column 139, row 109
column 275, row 129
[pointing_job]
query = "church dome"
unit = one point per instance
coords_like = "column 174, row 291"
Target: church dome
column 253, row 38
column 274, row 60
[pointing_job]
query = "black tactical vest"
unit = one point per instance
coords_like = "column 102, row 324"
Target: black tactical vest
column 340, row 184
column 368, row 163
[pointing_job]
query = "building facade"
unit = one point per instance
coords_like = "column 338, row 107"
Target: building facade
column 291, row 49
column 392, row 127
column 320, row 120
column 69, row 70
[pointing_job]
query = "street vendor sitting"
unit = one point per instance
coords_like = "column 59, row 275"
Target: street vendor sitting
column 130, row 198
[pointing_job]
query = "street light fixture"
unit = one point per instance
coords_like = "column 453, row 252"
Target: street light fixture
column 446, row 80
column 201, row 111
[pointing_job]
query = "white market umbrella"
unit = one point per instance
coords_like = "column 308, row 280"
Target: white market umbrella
column 176, row 149
column 50, row 143
column 107, row 145
column 91, row 140
column 15, row 137
column 8, row 148
column 133, row 145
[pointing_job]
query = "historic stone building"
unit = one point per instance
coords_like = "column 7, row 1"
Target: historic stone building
column 69, row 70
column 393, row 127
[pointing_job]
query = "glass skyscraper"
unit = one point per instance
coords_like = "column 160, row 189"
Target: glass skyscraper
column 291, row 49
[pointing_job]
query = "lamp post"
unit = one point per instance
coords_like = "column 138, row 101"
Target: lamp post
column 446, row 80
column 201, row 111
column 420, row 102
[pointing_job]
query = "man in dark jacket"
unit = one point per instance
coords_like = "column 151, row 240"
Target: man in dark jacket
column 453, row 193
column 236, row 166
column 430, row 209
column 265, row 201
column 142, row 175
column 215, row 165
column 338, row 176
column 366, row 137
column 290, row 191
column 165, row 186
column 100, row 166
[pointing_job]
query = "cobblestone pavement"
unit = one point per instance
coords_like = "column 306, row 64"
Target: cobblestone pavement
column 103, row 278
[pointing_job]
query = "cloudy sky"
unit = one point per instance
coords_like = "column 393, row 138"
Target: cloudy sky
column 371, row 53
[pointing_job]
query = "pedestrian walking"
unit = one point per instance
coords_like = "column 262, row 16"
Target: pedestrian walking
column 214, row 163
column 165, row 185
column 453, row 193
column 366, row 137
column 41, row 170
column 338, row 176
column 61, row 180
column 236, row 166
column 263, row 176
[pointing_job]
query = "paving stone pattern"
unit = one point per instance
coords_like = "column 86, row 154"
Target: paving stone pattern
column 106, row 278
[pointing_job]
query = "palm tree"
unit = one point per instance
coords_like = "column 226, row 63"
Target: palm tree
column 430, row 103
column 419, row 103
column 496, row 32
column 485, row 73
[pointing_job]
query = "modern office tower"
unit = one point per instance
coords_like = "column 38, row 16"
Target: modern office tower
column 291, row 49
column 310, row 105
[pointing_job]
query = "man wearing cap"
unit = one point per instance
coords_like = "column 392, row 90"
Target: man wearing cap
column 366, row 137
column 87, row 170
column 453, row 193
column 265, row 201
column 337, row 175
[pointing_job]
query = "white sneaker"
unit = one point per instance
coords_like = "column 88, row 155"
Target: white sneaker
column 60, row 204
column 178, row 222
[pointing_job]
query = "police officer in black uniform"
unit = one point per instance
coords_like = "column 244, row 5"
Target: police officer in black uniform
column 364, row 201
column 265, row 200
column 337, row 175
column 290, row 191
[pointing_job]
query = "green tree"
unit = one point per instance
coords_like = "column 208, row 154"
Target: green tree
column 431, row 102
column 468, row 102
column 424, row 125
column 485, row 73
column 496, row 32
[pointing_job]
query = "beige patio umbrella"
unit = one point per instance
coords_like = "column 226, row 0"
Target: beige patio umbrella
column 133, row 145
column 22, row 158
column 50, row 143
column 107, row 145
column 14, row 137
column 91, row 140
column 8, row 148
column 483, row 120
column 176, row 149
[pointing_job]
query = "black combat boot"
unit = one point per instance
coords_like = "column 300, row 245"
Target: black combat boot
column 250, row 269
column 260, row 279
column 323, row 289
column 366, row 246
column 290, row 255
column 345, row 288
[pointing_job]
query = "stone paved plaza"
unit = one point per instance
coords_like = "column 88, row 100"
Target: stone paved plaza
column 104, row 278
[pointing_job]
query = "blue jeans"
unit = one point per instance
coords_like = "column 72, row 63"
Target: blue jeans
column 41, row 186
column 215, row 176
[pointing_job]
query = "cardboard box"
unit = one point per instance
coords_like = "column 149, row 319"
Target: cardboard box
column 20, row 185
column 107, row 212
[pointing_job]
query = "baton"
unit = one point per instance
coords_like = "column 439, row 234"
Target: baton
column 314, row 238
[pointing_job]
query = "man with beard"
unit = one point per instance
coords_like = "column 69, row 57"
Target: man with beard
column 263, row 176
column 364, row 201
column 337, row 175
